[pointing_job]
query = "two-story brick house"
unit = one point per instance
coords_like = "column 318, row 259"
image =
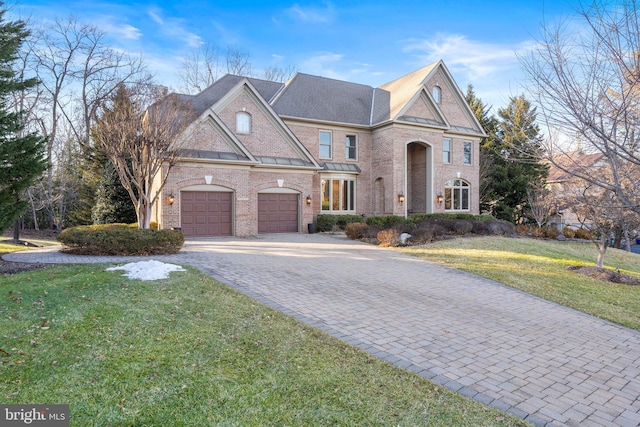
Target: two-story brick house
column 265, row 157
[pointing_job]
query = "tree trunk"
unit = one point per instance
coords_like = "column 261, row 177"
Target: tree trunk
column 16, row 230
column 34, row 212
column 602, row 249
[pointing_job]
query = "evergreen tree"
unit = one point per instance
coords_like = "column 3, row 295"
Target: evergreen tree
column 21, row 154
column 112, row 201
column 487, row 148
column 517, row 164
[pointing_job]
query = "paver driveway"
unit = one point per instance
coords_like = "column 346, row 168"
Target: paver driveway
column 545, row 363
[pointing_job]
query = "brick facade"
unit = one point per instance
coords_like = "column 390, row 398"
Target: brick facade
column 392, row 157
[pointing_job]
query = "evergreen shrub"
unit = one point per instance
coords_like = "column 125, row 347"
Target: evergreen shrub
column 327, row 222
column 120, row 239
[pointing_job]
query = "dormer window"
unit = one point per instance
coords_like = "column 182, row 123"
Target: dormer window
column 437, row 94
column 243, row 122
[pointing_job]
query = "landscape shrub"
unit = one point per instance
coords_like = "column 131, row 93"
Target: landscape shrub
column 551, row 232
column 480, row 226
column 389, row 237
column 120, row 239
column 356, row 230
column 462, row 226
column 583, row 233
column 569, row 232
column 426, row 234
column 522, row 230
column 386, row 221
column 327, row 222
column 500, row 227
column 536, row 232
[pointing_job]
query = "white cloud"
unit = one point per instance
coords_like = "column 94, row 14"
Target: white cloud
column 476, row 59
column 314, row 15
column 125, row 31
column 492, row 68
column 174, row 28
column 323, row 64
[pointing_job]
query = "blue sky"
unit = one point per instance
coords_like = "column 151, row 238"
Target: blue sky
column 369, row 42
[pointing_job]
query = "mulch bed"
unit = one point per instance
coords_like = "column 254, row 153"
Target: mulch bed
column 7, row 267
column 605, row 275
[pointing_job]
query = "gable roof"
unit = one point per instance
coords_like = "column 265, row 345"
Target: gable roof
column 221, row 87
column 405, row 88
column 564, row 167
column 210, row 103
column 322, row 99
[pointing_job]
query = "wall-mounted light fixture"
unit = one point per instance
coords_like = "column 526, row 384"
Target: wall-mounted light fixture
column 308, row 199
column 171, row 199
column 439, row 199
column 401, row 197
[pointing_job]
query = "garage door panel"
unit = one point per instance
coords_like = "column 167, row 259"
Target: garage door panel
column 277, row 213
column 206, row 213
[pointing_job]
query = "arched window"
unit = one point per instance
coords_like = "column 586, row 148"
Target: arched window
column 243, row 122
column 456, row 195
column 436, row 92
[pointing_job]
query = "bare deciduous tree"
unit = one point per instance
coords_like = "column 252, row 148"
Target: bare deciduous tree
column 539, row 200
column 200, row 69
column 78, row 71
column 585, row 82
column 141, row 143
column 238, row 61
column 278, row 74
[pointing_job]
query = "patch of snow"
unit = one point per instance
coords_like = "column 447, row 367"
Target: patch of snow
column 147, row 270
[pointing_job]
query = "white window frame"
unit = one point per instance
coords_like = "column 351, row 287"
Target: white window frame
column 353, row 147
column 321, row 145
column 338, row 194
column 243, row 122
column 457, row 195
column 436, row 92
column 446, row 154
column 468, row 153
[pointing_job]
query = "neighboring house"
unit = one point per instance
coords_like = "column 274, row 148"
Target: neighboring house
column 562, row 183
column 266, row 157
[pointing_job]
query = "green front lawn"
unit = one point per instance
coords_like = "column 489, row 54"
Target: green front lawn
column 188, row 351
column 539, row 267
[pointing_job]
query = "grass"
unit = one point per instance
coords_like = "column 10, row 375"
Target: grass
column 539, row 267
column 189, row 351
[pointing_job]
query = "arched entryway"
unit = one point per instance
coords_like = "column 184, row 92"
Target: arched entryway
column 419, row 176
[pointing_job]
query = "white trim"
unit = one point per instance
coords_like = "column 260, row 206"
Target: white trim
column 330, row 132
column 205, row 187
column 277, row 190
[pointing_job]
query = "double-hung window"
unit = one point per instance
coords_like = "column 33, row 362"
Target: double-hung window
column 325, row 144
column 338, row 195
column 467, row 153
column 352, row 149
column 446, row 151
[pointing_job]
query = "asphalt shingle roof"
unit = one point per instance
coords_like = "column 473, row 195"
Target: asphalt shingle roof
column 221, row 87
column 326, row 100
